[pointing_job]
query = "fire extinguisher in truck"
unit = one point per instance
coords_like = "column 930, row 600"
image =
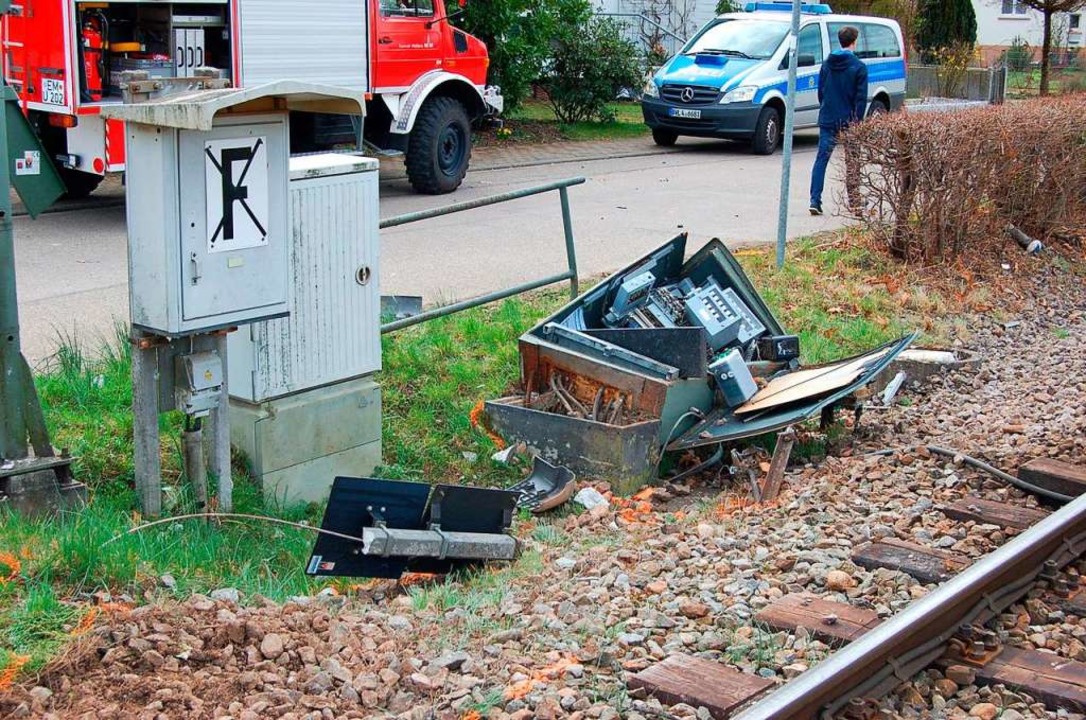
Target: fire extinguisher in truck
column 93, row 40
column 424, row 78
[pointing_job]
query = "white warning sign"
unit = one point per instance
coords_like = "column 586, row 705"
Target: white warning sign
column 236, row 172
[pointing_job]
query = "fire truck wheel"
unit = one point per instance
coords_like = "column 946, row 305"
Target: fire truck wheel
column 439, row 147
column 79, row 184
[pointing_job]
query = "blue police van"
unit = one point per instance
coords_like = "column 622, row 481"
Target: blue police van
column 730, row 80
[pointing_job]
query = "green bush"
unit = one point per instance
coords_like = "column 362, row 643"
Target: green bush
column 1019, row 55
column 591, row 63
column 518, row 36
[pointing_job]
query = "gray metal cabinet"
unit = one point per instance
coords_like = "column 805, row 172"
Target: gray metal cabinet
column 333, row 332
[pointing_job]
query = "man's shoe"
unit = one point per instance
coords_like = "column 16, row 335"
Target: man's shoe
column 815, row 209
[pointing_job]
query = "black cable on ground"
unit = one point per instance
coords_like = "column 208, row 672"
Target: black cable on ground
column 997, row 473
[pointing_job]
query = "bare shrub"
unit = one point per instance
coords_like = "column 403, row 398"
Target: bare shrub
column 937, row 185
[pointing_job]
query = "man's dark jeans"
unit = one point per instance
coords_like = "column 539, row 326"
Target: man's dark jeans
column 827, row 141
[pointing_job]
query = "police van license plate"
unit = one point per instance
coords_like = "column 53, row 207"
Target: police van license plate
column 684, row 113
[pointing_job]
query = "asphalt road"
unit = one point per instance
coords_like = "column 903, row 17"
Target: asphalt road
column 72, row 264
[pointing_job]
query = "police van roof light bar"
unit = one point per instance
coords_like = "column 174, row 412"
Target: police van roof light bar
column 779, row 6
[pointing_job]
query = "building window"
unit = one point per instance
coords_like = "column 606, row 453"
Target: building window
column 1014, row 7
column 1074, row 22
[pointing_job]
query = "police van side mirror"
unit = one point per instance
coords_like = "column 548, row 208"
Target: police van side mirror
column 804, row 60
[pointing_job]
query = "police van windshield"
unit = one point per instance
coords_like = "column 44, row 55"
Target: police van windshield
column 754, row 39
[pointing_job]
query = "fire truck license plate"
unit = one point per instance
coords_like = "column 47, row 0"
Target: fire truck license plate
column 52, row 91
column 684, row 113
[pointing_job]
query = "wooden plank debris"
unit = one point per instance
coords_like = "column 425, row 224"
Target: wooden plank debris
column 926, row 564
column 989, row 512
column 826, row 620
column 1054, row 475
column 700, row 683
column 1053, row 680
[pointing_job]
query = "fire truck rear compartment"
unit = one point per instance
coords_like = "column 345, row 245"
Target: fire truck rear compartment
column 163, row 39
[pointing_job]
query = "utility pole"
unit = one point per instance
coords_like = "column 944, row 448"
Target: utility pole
column 789, row 128
column 40, row 481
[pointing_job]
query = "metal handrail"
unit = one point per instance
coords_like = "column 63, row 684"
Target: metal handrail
column 562, row 186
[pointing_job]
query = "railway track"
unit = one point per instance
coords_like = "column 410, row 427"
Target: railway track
column 952, row 628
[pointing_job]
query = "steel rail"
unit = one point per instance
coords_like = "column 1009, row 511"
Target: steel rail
column 895, row 650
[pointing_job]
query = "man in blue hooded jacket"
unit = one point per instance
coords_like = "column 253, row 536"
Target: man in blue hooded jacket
column 842, row 92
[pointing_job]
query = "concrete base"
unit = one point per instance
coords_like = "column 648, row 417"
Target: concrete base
column 298, row 444
column 38, row 493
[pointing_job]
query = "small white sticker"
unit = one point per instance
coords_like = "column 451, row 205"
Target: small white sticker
column 29, row 163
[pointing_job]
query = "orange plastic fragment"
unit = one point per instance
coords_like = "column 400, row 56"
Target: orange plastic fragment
column 7, row 675
column 475, row 416
column 13, row 564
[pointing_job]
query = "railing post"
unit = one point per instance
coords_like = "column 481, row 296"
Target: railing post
column 571, row 251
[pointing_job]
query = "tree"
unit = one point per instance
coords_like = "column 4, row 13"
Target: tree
column 1048, row 8
column 906, row 12
column 592, row 62
column 945, row 24
column 519, row 36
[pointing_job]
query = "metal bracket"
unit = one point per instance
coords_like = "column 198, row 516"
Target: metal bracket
column 974, row 645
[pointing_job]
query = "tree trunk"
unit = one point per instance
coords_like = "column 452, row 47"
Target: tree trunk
column 1046, row 51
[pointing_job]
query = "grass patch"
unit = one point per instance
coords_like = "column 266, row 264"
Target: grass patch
column 842, row 299
column 535, row 121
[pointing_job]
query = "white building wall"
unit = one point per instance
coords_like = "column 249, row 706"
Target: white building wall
column 994, row 27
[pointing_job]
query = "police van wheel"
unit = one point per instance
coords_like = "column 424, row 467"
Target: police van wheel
column 767, row 133
column 664, row 137
column 878, row 107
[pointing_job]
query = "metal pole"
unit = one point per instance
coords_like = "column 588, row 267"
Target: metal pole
column 789, row 126
column 571, row 251
column 219, row 448
column 478, row 203
column 12, row 397
column 145, row 452
column 474, row 302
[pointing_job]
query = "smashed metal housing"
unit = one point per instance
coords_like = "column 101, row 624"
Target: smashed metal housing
column 384, row 528
column 666, row 355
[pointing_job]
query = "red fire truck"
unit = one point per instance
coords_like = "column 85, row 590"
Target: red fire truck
column 425, row 80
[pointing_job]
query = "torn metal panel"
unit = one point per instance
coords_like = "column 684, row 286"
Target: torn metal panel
column 684, row 348
column 624, row 454
column 724, row 425
column 547, row 487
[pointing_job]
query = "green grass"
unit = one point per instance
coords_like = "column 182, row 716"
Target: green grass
column 825, row 294
column 1027, row 83
column 434, row 374
column 628, row 121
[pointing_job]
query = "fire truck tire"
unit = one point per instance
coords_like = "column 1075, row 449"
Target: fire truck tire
column 439, row 147
column 79, row 184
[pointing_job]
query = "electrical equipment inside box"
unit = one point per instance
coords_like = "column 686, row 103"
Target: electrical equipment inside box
column 733, row 333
